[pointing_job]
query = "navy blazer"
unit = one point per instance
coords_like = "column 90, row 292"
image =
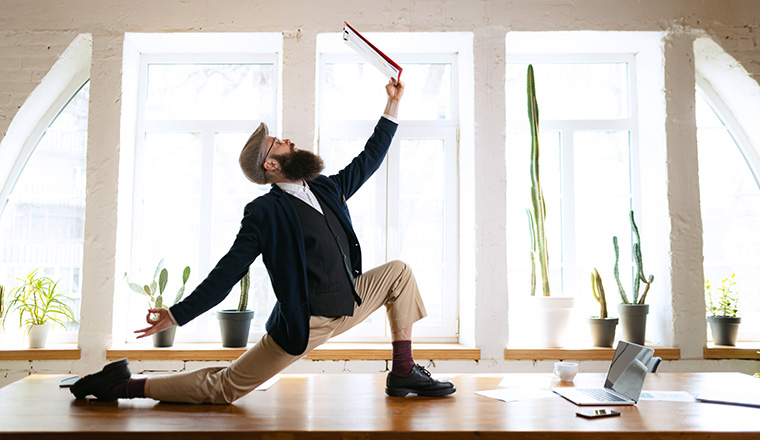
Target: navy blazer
column 271, row 228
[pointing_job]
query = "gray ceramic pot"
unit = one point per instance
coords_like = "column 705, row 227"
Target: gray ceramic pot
column 235, row 327
column 603, row 331
column 165, row 338
column 633, row 322
column 724, row 329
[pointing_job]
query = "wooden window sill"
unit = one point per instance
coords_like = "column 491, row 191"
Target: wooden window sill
column 55, row 352
column 742, row 350
column 580, row 353
column 329, row 351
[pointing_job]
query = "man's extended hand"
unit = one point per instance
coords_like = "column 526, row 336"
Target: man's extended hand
column 159, row 319
column 395, row 90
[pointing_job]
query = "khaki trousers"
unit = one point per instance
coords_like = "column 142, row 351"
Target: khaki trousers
column 392, row 285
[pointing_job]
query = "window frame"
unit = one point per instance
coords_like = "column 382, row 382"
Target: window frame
column 566, row 128
column 207, row 130
column 386, row 207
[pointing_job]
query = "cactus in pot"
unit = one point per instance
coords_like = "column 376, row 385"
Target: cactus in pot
column 539, row 254
column 597, row 288
column 638, row 276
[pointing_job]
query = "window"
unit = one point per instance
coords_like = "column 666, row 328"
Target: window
column 730, row 203
column 195, row 113
column 42, row 225
column 408, row 209
column 587, row 114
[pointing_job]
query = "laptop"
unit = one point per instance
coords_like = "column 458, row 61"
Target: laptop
column 625, row 379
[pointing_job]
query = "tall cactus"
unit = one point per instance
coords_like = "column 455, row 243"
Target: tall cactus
column 245, row 284
column 597, row 288
column 638, row 276
column 536, row 217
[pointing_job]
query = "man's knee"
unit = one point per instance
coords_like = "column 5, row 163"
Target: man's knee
column 400, row 267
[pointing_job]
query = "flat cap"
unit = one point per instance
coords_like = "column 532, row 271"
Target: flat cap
column 252, row 156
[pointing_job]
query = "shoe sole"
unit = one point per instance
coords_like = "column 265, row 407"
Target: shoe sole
column 403, row 392
column 76, row 388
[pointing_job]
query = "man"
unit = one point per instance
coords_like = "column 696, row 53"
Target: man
column 302, row 230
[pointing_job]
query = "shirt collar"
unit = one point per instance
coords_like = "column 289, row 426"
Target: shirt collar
column 292, row 187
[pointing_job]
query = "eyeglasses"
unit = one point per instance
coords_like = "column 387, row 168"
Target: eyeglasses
column 270, row 149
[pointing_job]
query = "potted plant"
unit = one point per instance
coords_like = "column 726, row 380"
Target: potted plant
column 722, row 307
column 552, row 313
column 602, row 327
column 155, row 293
column 39, row 306
column 236, row 324
column 633, row 313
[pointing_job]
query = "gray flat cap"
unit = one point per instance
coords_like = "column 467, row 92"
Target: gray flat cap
column 252, row 156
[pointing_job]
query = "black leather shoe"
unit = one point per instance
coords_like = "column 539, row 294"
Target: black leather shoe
column 101, row 384
column 417, row 382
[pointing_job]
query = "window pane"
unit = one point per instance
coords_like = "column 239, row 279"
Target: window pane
column 730, row 204
column 231, row 192
column 571, row 91
column 602, row 203
column 42, row 225
column 211, row 92
column 421, row 219
column 427, row 95
column 518, row 200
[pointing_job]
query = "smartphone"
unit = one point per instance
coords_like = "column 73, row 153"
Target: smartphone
column 69, row 381
column 595, row 413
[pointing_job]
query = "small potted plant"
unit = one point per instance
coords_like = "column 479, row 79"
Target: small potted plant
column 235, row 325
column 722, row 307
column 633, row 313
column 602, row 327
column 39, row 306
column 155, row 293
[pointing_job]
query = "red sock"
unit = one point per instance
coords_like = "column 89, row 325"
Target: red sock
column 130, row 389
column 403, row 361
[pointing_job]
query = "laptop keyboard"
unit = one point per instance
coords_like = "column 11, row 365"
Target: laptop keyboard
column 601, row 394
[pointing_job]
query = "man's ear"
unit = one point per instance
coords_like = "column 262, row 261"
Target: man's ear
column 271, row 165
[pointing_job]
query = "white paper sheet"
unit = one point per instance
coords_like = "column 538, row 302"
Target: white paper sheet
column 515, row 394
column 673, row 396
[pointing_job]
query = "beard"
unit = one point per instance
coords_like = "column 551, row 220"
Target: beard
column 300, row 164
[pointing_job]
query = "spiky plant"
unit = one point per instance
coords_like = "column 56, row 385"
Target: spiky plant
column 638, row 276
column 245, row 284
column 539, row 253
column 597, row 288
column 38, row 303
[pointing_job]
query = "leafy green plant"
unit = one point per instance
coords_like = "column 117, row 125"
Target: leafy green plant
column 2, row 300
column 245, row 285
column 539, row 251
column 155, row 290
column 724, row 302
column 38, row 303
column 638, row 276
column 597, row 288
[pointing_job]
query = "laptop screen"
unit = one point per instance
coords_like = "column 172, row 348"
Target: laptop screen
column 628, row 369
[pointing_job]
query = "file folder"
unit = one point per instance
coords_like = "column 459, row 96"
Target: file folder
column 370, row 53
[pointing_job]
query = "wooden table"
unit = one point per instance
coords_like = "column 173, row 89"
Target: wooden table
column 354, row 406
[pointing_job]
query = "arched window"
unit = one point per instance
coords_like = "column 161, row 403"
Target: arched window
column 730, row 203
column 42, row 224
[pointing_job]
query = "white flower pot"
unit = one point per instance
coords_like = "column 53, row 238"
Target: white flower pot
column 38, row 335
column 552, row 314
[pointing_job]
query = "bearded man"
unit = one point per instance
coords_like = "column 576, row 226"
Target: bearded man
column 302, row 229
